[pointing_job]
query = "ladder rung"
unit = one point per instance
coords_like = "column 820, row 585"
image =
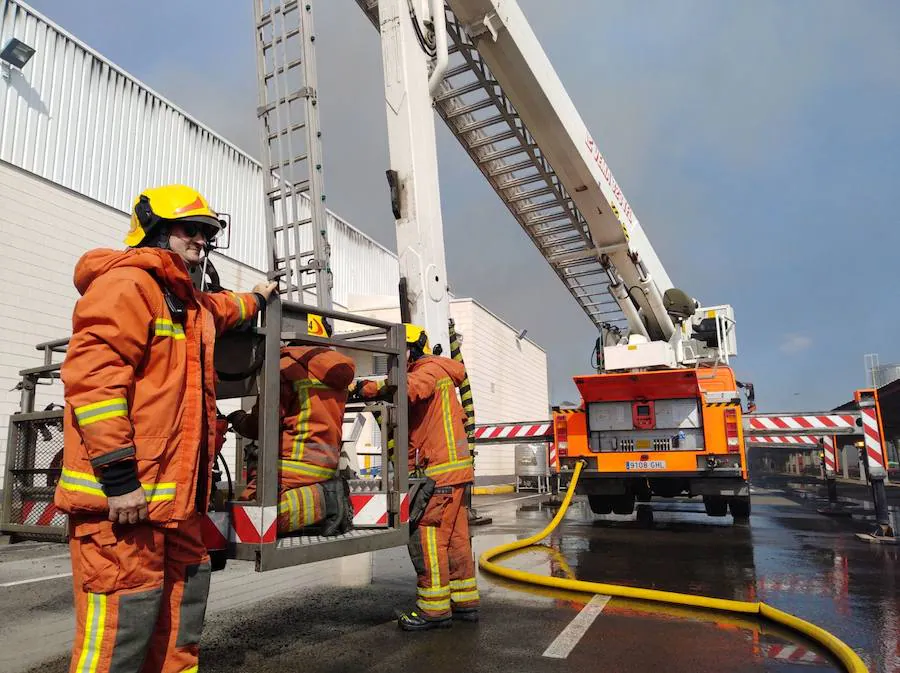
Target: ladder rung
column 545, row 219
column 568, row 257
column 488, row 140
column 284, row 100
column 583, row 286
column 280, row 69
column 566, row 241
column 457, row 70
column 472, row 107
column 275, row 193
column 281, row 227
column 290, row 129
column 481, row 124
column 552, row 231
column 541, row 205
column 524, row 180
column 289, row 162
column 291, row 258
column 456, row 92
column 512, row 168
column 503, row 154
column 293, row 32
column 534, row 193
column 266, row 18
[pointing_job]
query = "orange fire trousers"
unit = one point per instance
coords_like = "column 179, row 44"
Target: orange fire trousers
column 301, row 500
column 140, row 596
column 441, row 553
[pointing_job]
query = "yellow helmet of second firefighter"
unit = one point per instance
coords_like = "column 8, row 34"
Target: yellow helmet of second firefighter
column 416, row 336
column 171, row 203
column 318, row 326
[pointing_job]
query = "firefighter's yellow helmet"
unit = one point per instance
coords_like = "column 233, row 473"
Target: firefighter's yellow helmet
column 317, row 326
column 416, row 336
column 171, row 203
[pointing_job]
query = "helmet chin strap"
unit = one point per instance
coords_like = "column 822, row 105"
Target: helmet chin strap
column 207, row 249
column 158, row 239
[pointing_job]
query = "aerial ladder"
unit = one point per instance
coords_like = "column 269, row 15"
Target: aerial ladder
column 662, row 415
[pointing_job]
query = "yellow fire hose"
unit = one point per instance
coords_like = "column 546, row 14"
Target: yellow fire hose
column 851, row 661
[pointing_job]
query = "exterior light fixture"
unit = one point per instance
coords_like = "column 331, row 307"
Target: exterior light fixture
column 15, row 54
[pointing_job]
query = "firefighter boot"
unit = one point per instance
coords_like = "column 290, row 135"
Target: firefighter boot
column 338, row 507
column 416, row 621
column 465, row 614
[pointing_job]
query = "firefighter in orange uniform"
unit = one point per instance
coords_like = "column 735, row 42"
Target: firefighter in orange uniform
column 314, row 382
column 140, row 425
column 439, row 544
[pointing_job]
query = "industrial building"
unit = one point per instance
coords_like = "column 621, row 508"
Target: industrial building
column 80, row 138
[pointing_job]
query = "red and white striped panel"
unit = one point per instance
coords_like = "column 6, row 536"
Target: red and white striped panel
column 802, row 440
column 553, row 457
column 215, row 530
column 42, row 514
column 872, row 434
column 484, row 433
column 794, row 654
column 253, row 524
column 830, row 455
column 371, row 509
column 770, row 422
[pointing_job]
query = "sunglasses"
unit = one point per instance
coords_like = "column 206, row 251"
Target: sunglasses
column 191, row 229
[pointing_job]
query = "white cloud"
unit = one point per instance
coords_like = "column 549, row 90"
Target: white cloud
column 795, row 343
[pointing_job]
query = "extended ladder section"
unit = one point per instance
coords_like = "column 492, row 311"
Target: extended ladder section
column 484, row 121
column 504, row 103
column 293, row 177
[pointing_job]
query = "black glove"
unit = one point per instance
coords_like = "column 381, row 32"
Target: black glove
column 235, row 417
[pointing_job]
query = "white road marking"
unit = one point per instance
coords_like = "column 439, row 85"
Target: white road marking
column 567, row 640
column 36, row 579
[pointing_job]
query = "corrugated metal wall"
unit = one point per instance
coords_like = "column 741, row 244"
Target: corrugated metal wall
column 37, row 257
column 78, row 120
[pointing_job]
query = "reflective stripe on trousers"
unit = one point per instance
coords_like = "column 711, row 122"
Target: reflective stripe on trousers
column 442, row 555
column 140, row 596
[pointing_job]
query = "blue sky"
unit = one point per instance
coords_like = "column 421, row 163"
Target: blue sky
column 758, row 143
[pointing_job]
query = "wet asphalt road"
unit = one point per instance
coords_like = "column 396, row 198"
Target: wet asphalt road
column 318, row 619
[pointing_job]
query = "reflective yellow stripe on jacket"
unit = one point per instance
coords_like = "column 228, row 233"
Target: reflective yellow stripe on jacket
column 302, row 388
column 101, row 411
column 84, row 482
column 451, row 466
column 167, row 328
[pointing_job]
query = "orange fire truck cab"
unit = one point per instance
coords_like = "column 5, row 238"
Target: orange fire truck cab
column 657, row 433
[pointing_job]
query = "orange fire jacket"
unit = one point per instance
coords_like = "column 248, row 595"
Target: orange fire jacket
column 140, row 386
column 314, row 383
column 437, row 435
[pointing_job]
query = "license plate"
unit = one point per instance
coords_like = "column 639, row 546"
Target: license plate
column 645, row 465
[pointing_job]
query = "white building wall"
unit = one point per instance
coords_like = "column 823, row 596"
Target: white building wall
column 79, row 120
column 44, row 230
column 508, row 375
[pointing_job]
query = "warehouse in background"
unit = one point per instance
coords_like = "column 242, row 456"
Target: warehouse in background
column 80, row 137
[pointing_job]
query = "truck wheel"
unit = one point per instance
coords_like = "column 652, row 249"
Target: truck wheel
column 715, row 505
column 645, row 515
column 623, row 504
column 740, row 508
column 600, row 504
